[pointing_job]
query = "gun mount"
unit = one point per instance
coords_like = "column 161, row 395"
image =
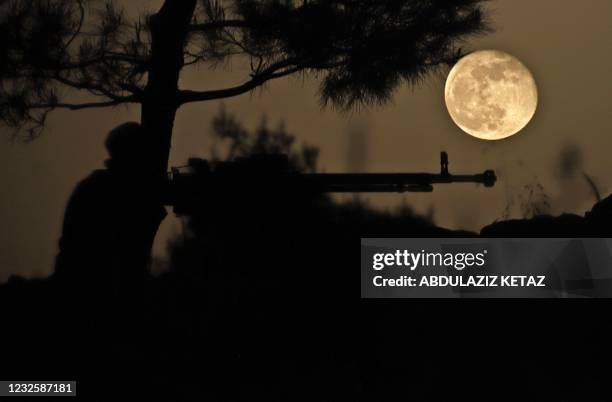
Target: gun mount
column 272, row 173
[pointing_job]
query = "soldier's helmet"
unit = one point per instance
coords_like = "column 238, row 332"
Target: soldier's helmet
column 124, row 143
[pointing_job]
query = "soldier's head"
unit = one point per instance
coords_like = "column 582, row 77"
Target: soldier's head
column 124, row 144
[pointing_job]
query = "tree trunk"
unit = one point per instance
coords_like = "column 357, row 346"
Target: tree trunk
column 168, row 34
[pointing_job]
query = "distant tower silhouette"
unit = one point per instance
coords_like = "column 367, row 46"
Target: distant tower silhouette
column 357, row 146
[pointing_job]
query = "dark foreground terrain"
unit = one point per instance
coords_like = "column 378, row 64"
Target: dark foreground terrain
column 263, row 303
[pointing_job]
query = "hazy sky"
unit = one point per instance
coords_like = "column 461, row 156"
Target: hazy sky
column 567, row 46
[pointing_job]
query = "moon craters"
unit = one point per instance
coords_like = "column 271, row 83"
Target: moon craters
column 490, row 95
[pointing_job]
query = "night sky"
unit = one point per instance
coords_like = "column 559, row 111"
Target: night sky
column 566, row 45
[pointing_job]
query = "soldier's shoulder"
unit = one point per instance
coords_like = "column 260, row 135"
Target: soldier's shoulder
column 99, row 175
column 94, row 182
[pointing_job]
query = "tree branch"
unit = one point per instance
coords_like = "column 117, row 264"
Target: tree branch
column 101, row 59
column 90, row 87
column 78, row 29
column 276, row 70
column 215, row 25
column 87, row 105
column 256, row 80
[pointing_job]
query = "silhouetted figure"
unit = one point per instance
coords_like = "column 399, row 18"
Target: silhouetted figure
column 109, row 226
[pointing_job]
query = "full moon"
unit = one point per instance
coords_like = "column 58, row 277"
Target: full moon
column 490, row 94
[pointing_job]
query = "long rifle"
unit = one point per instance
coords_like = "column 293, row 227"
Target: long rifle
column 271, row 173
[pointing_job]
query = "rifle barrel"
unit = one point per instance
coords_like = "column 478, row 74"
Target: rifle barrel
column 390, row 182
